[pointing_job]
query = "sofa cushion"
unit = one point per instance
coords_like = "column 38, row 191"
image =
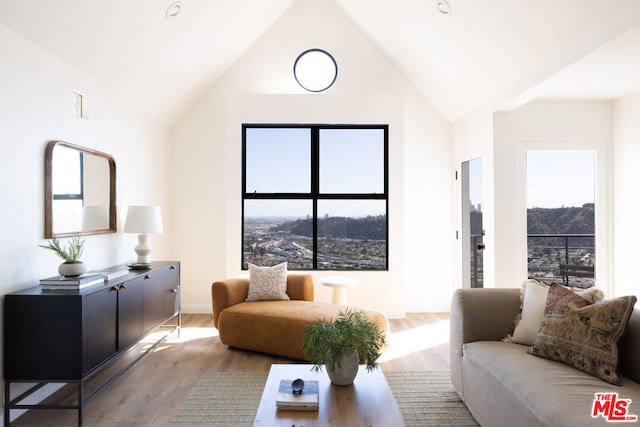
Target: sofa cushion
column 533, row 296
column 536, row 391
column 581, row 335
column 268, row 283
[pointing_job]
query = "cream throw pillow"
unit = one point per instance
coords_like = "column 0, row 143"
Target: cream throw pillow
column 268, row 283
column 534, row 300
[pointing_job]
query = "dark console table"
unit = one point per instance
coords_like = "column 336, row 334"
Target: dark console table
column 68, row 336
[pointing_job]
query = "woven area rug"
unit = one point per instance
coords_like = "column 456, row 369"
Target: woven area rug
column 427, row 398
column 231, row 399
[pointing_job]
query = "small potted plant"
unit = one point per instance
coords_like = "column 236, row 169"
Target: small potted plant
column 343, row 344
column 72, row 266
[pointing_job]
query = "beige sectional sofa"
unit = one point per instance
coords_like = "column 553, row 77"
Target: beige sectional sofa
column 503, row 385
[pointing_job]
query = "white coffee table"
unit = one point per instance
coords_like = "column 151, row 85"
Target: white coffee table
column 340, row 284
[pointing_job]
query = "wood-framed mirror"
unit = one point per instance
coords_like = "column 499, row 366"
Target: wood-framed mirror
column 80, row 191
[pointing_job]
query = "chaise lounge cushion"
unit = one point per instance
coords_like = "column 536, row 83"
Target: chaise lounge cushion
column 277, row 327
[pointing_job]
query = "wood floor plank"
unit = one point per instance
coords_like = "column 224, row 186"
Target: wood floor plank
column 149, row 393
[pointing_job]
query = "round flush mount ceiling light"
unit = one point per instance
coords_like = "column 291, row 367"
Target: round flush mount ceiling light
column 173, row 10
column 443, row 7
column 315, row 70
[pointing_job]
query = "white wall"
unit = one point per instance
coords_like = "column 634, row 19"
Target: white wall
column 626, row 197
column 36, row 107
column 205, row 160
column 552, row 125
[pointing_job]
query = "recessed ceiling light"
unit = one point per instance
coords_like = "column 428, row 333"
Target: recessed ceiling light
column 173, row 10
column 443, row 7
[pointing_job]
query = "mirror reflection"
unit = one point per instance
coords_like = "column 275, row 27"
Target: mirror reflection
column 80, row 187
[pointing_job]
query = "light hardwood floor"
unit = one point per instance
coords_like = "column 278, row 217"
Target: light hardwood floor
column 153, row 389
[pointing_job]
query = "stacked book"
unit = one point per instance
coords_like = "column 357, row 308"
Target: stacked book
column 112, row 273
column 80, row 282
column 71, row 283
column 306, row 400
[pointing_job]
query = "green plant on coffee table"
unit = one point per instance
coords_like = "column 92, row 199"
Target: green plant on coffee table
column 326, row 342
column 70, row 254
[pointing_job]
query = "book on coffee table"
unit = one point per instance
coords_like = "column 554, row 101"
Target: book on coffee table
column 307, row 400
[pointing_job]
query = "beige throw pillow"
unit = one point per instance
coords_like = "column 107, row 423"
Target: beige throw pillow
column 268, row 283
column 535, row 297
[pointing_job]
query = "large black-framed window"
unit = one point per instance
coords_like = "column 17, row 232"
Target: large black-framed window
column 316, row 196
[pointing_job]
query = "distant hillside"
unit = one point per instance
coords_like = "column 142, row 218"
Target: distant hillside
column 367, row 228
column 561, row 220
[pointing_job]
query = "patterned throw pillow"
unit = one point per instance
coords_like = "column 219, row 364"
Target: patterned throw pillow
column 533, row 298
column 561, row 300
column 581, row 335
column 268, row 283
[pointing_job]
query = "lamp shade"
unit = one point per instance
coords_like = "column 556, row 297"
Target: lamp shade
column 143, row 219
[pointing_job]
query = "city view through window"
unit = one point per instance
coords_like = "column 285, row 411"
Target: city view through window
column 561, row 216
column 315, row 196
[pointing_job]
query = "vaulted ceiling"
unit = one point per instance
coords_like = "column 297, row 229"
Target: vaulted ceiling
column 496, row 53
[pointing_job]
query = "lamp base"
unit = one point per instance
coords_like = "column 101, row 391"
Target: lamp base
column 143, row 250
column 138, row 266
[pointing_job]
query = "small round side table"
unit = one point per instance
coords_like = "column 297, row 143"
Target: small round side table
column 339, row 285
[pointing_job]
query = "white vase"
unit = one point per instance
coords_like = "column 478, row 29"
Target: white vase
column 70, row 269
column 345, row 370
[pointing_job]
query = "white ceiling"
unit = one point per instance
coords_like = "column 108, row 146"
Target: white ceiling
column 486, row 52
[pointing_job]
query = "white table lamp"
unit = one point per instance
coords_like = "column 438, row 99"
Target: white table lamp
column 143, row 220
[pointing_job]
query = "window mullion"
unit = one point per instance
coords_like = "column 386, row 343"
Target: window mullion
column 315, row 188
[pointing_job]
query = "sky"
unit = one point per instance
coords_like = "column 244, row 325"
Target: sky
column 475, row 182
column 66, row 179
column 560, row 178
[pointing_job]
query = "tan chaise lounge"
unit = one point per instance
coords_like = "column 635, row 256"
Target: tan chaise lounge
column 275, row 327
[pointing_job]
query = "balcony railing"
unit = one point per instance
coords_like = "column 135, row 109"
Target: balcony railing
column 565, row 258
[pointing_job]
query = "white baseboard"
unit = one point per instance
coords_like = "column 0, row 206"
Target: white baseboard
column 206, row 309
column 431, row 308
column 197, row 309
column 394, row 314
